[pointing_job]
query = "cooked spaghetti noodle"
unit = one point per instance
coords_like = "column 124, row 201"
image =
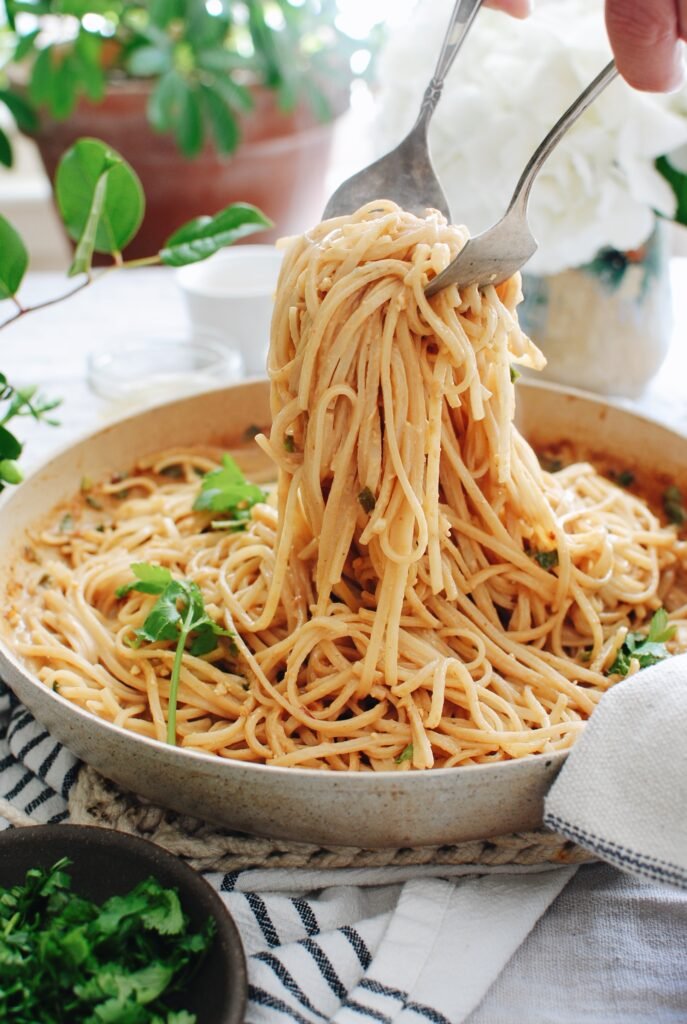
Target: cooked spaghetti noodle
column 418, row 592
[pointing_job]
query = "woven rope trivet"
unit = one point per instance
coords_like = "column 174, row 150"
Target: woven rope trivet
column 96, row 801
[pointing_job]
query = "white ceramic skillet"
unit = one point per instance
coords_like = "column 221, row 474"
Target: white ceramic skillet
column 359, row 809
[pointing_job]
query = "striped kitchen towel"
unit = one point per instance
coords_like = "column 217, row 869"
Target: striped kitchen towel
column 396, row 945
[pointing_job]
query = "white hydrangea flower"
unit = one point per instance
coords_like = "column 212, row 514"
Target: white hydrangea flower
column 511, row 82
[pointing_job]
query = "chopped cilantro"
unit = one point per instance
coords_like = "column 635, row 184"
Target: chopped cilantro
column 367, row 500
column 405, row 755
column 514, row 375
column 227, row 490
column 546, row 559
column 65, row 958
column 178, row 612
column 289, row 443
column 623, row 477
column 550, row 465
column 647, row 649
column 93, row 502
column 674, row 506
column 66, row 523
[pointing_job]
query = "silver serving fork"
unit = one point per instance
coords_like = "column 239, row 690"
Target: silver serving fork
column 406, row 174
column 499, row 252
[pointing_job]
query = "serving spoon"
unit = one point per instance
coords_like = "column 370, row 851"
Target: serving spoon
column 499, row 252
column 406, row 174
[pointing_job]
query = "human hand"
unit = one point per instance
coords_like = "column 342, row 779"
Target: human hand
column 646, row 38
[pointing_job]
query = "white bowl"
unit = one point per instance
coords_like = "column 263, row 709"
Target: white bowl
column 368, row 809
column 232, row 294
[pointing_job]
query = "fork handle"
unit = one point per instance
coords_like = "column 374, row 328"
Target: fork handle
column 521, row 194
column 463, row 15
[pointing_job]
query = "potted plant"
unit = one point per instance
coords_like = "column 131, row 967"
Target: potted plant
column 245, row 90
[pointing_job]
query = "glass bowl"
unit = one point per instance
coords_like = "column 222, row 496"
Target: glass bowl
column 149, row 370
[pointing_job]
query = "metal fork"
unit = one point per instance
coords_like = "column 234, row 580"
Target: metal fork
column 497, row 253
column 406, row 174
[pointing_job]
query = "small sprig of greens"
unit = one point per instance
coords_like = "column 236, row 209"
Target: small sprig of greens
column 405, row 755
column 178, row 615
column 227, row 490
column 546, row 559
column 367, row 500
column 514, row 374
column 16, row 402
column 674, row 505
column 622, row 477
column 65, row 958
column 645, row 648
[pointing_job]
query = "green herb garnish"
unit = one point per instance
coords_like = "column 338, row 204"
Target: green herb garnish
column 367, row 500
column 405, row 755
column 674, row 505
column 546, row 559
column 66, row 523
column 647, row 649
column 550, row 465
column 227, row 490
column 177, row 615
column 514, row 375
column 289, row 443
column 93, row 502
column 624, row 477
column 65, row 958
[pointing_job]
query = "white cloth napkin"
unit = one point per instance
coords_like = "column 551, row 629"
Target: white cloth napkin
column 622, row 793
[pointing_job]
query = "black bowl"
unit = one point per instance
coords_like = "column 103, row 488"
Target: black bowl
column 107, row 863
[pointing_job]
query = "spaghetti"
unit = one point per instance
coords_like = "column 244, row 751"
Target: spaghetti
column 417, row 592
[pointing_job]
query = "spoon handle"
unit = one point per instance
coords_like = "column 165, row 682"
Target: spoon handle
column 462, row 18
column 521, row 194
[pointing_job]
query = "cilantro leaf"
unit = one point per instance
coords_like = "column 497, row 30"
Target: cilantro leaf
column 178, row 615
column 405, row 755
column 227, row 490
column 674, row 505
column 546, row 559
column 647, row 649
column 367, row 500
column 150, row 579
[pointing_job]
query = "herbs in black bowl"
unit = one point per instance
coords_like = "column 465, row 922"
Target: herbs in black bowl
column 68, row 959
column 98, row 927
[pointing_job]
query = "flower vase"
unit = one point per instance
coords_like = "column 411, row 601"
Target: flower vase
column 604, row 326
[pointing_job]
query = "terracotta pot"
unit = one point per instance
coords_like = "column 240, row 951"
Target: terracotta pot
column 280, row 164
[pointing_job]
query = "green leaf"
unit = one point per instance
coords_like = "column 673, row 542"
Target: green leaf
column 76, row 180
column 5, row 150
column 40, row 86
column 87, row 63
column 678, row 182
column 367, row 500
column 21, row 110
column 227, row 490
column 145, row 61
column 405, row 755
column 10, row 447
column 546, row 559
column 14, row 260
column 188, row 129
column 224, row 126
column 10, row 471
column 25, row 45
column 235, row 95
column 150, row 579
column 646, row 649
column 203, row 236
column 674, row 505
column 64, row 89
